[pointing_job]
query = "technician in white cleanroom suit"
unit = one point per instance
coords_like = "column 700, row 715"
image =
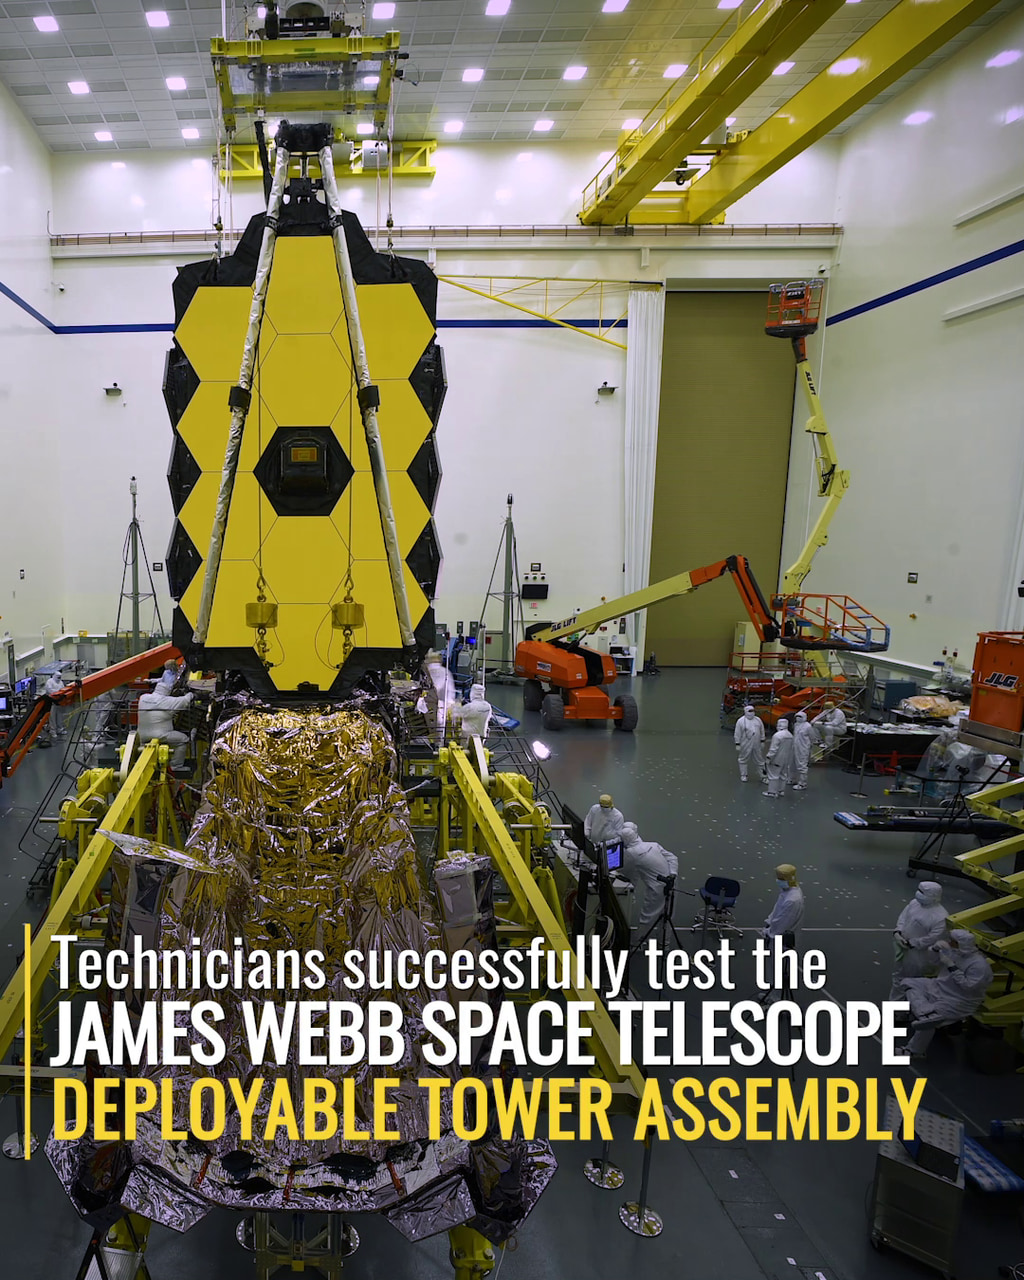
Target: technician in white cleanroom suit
column 803, row 739
column 156, row 720
column 780, row 760
column 603, row 823
column 643, row 862
column 830, row 723
column 749, row 738
column 956, row 993
column 788, row 913
column 54, row 684
column 440, row 677
column 474, row 716
column 921, row 926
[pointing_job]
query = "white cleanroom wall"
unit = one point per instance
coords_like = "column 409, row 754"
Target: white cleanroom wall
column 36, row 452
column 924, row 392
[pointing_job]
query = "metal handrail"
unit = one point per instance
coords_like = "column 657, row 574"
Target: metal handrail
column 667, row 231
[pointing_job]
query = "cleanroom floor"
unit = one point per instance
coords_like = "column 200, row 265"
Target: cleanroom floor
column 785, row 1211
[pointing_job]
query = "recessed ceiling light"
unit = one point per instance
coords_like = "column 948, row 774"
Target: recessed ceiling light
column 473, row 75
column 574, row 73
column 525, row 155
column 157, row 18
column 674, row 71
column 783, row 68
column 1005, row 59
column 117, row 164
column 78, row 86
column 176, row 83
column 543, row 126
column 363, row 128
column 497, row 8
column 1013, row 114
column 730, row 119
column 103, row 135
column 844, row 67
column 46, row 23
column 918, row 117
column 190, row 134
column 371, row 82
column 634, row 122
column 453, row 126
column 614, row 6
column 382, row 12
column 729, row 4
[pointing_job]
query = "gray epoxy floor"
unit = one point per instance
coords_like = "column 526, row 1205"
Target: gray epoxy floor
column 776, row 1210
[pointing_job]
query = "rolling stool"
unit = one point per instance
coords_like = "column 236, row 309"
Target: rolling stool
column 719, row 895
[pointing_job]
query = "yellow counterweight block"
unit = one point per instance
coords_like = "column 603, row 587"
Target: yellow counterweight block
column 304, row 530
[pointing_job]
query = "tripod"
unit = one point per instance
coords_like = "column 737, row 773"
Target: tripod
column 510, row 597
column 664, row 925
column 134, row 550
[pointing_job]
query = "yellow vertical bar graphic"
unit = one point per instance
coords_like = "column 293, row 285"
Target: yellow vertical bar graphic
column 27, row 1140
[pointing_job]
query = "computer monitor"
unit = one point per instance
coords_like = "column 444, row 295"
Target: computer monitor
column 613, row 854
column 5, row 704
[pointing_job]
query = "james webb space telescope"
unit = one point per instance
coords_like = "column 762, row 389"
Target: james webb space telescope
column 323, row 555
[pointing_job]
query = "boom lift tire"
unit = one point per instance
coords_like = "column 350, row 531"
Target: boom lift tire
column 533, row 695
column 630, row 714
column 552, row 712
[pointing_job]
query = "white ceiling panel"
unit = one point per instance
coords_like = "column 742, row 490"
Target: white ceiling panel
column 109, row 44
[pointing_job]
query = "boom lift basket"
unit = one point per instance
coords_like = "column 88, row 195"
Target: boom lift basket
column 830, row 622
column 793, row 309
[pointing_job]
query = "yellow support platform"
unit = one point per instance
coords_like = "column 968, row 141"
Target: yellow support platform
column 907, row 34
column 739, row 58
column 245, row 88
column 410, row 160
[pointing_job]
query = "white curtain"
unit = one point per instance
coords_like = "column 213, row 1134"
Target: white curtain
column 643, row 400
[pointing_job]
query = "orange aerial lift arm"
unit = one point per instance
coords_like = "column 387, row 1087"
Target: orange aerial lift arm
column 21, row 738
column 682, row 584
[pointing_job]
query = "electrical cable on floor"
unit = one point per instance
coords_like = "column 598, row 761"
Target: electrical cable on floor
column 504, row 1250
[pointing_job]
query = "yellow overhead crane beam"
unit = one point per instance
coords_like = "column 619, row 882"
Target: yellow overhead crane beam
column 907, row 34
column 727, row 73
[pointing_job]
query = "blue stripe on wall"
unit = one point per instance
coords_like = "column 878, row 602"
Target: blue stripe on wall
column 883, row 300
column 929, row 282
column 169, row 328
column 9, row 293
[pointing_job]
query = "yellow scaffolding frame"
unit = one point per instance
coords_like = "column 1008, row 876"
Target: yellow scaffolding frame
column 1002, row 1008
column 482, row 825
column 124, row 811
